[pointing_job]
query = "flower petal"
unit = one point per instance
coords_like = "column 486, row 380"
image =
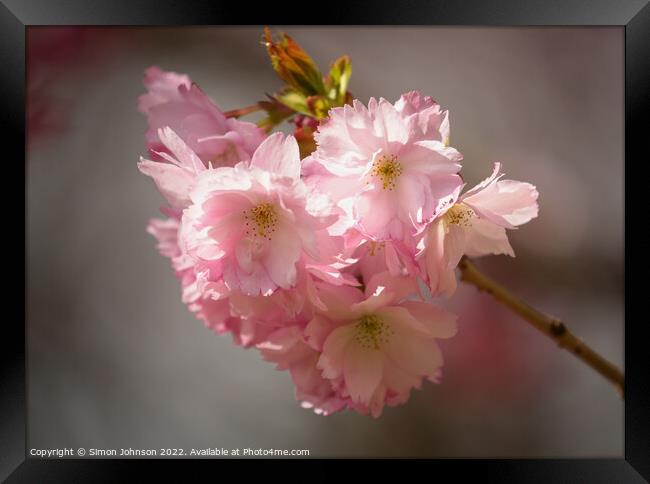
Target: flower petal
column 282, row 254
column 485, row 237
column 413, row 353
column 180, row 150
column 362, row 371
column 278, row 155
column 442, row 279
column 439, row 322
column 376, row 209
column 173, row 181
column 507, row 203
column 334, row 349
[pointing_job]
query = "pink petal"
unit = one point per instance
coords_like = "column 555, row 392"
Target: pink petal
column 162, row 86
column 454, row 245
column 339, row 151
column 283, row 252
column 375, row 209
column 393, row 125
column 312, row 293
column 411, row 102
column 317, row 331
column 431, row 157
column 378, row 299
column 362, row 371
column 439, row 322
column 413, row 353
column 172, row 181
column 339, row 300
column 399, row 380
column 399, row 286
column 244, row 255
column 220, row 179
column 180, row 150
column 442, row 279
column 334, row 349
column 227, row 231
column 398, row 315
column 222, row 150
column 445, row 190
column 255, row 283
column 223, row 203
column 166, row 232
column 415, row 199
column 306, row 376
column 278, row 155
column 507, row 203
column 213, row 313
column 377, row 402
column 279, row 345
column 485, row 237
column 251, row 135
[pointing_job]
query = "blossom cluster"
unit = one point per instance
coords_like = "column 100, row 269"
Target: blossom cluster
column 326, row 265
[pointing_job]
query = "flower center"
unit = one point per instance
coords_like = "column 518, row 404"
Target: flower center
column 375, row 247
column 371, row 332
column 388, row 170
column 460, row 214
column 261, row 220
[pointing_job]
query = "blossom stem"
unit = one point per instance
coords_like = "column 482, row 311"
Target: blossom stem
column 550, row 326
column 236, row 113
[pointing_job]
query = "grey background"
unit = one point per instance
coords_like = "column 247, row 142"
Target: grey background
column 115, row 360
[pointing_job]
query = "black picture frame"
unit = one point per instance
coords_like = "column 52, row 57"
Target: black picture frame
column 632, row 15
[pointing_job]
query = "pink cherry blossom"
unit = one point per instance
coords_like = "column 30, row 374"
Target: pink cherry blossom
column 320, row 265
column 378, row 347
column 387, row 165
column 254, row 224
column 174, row 101
column 475, row 225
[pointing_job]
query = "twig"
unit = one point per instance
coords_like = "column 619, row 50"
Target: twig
column 551, row 327
column 236, row 113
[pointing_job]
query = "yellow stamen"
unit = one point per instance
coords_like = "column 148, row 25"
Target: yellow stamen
column 371, row 332
column 375, row 246
column 261, row 220
column 388, row 170
column 459, row 214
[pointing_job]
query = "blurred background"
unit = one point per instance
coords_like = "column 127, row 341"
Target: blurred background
column 114, row 358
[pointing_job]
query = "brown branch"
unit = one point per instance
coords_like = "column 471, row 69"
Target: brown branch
column 236, row 113
column 551, row 327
